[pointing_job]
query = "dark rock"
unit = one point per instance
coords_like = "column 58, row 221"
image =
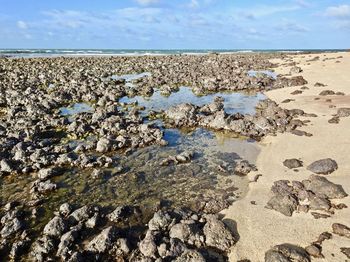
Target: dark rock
column 243, row 167
column 341, row 230
column 292, row 163
column 300, row 133
column 334, row 120
column 296, row 92
column 320, row 85
column 323, row 236
column 189, row 256
column 287, row 253
column 327, row 93
column 314, row 251
column 345, row 251
column 319, row 215
column 285, row 204
column 323, row 187
column 288, row 100
column 323, row 166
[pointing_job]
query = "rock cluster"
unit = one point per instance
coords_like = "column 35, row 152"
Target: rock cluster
column 312, row 194
column 269, row 118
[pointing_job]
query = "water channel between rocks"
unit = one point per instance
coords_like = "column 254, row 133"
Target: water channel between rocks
column 141, row 179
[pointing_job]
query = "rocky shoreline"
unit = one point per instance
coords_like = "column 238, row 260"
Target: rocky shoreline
column 39, row 144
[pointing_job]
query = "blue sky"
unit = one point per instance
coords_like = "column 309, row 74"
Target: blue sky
column 175, row 24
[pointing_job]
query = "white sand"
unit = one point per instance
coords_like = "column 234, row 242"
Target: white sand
column 260, row 228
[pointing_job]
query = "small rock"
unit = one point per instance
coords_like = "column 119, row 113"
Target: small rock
column 319, row 215
column 103, row 241
column 119, row 213
column 287, row 253
column 327, row 93
column 341, row 230
column 190, row 256
column 65, row 209
column 148, row 246
column 55, row 227
column 217, row 235
column 285, row 204
column 345, row 251
column 292, row 163
column 47, row 173
column 314, row 251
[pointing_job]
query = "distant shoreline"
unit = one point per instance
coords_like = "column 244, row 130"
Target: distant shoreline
column 155, row 52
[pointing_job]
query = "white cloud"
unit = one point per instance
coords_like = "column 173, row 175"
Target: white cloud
column 194, row 4
column 341, row 11
column 147, row 2
column 265, row 10
column 22, row 25
column 303, row 3
column 289, row 26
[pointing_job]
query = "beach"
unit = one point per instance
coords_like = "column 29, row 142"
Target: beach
column 206, row 157
column 260, row 228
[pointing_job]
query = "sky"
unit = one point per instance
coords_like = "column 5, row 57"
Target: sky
column 175, row 24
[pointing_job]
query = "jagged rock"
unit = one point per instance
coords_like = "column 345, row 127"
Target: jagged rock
column 217, row 235
column 160, row 221
column 41, row 248
column 119, row 213
column 104, row 145
column 12, row 226
column 323, row 187
column 66, row 242
column 80, row 214
column 148, row 246
column 285, row 204
column 183, row 231
column 103, row 241
column 55, row 227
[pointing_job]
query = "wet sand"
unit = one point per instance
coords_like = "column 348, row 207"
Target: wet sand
column 260, row 228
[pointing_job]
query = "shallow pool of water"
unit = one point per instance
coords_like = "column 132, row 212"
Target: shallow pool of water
column 233, row 102
column 75, row 109
column 253, row 73
column 131, row 77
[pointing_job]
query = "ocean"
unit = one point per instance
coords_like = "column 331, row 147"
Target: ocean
column 135, row 52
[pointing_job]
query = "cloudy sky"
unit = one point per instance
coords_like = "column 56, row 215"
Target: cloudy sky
column 175, row 24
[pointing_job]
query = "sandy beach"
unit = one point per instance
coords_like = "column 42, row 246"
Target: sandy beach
column 260, row 228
